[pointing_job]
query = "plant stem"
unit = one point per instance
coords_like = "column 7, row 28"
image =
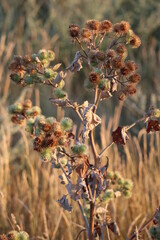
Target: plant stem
column 84, row 216
column 91, row 222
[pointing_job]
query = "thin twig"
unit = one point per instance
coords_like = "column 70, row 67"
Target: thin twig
column 80, row 233
column 82, row 47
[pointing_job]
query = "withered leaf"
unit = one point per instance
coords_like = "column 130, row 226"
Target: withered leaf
column 82, row 166
column 76, row 65
column 114, row 228
column 57, row 66
column 65, row 204
column 153, row 125
column 73, row 191
column 90, row 120
column 120, row 136
column 61, row 75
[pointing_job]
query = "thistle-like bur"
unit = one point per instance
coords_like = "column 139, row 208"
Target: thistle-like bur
column 60, row 94
column 66, row 124
column 79, row 149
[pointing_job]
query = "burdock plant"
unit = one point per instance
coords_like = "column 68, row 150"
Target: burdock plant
column 103, row 46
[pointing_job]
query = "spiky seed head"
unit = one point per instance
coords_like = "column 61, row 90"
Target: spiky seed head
column 105, row 26
column 74, row 30
column 94, row 78
column 66, row 124
column 134, row 78
column 93, row 24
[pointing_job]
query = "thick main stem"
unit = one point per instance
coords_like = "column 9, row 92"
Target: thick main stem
column 91, row 222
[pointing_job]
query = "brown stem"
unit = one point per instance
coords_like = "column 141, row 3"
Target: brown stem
column 82, row 230
column 82, row 47
column 91, row 221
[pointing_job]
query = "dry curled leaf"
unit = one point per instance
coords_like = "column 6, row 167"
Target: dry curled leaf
column 76, row 65
column 82, row 166
column 120, row 136
column 90, row 120
column 152, row 126
column 60, row 76
column 114, row 228
column 65, row 204
column 73, row 190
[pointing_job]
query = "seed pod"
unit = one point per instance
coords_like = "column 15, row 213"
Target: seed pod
column 22, row 236
column 16, row 108
column 34, row 111
column 134, row 78
column 49, row 73
column 127, row 193
column 79, row 149
column 128, row 184
column 117, row 62
column 66, row 124
column 85, row 34
column 94, row 78
column 73, row 30
column 100, row 56
column 108, row 195
column 50, row 120
column 110, row 175
column 3, row 237
column 59, row 93
column 43, row 54
column 16, row 77
column 105, row 26
column 30, row 125
column 28, row 80
column 46, row 154
column 12, row 235
column 120, row 181
column 93, row 24
column 104, row 84
column 135, row 41
column 51, row 55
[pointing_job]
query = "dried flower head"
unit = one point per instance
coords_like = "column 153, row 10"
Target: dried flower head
column 135, row 41
column 132, row 66
column 100, row 55
column 94, row 77
column 73, row 30
column 153, row 125
column 130, row 89
column 110, row 53
column 117, row 62
column 85, row 34
column 124, row 27
column 134, row 78
column 120, row 48
column 105, row 26
column 93, row 24
column 125, row 70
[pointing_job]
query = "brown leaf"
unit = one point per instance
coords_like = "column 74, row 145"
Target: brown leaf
column 64, row 203
column 153, row 125
column 82, row 166
column 74, row 191
column 120, row 136
column 90, row 120
column 114, row 228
